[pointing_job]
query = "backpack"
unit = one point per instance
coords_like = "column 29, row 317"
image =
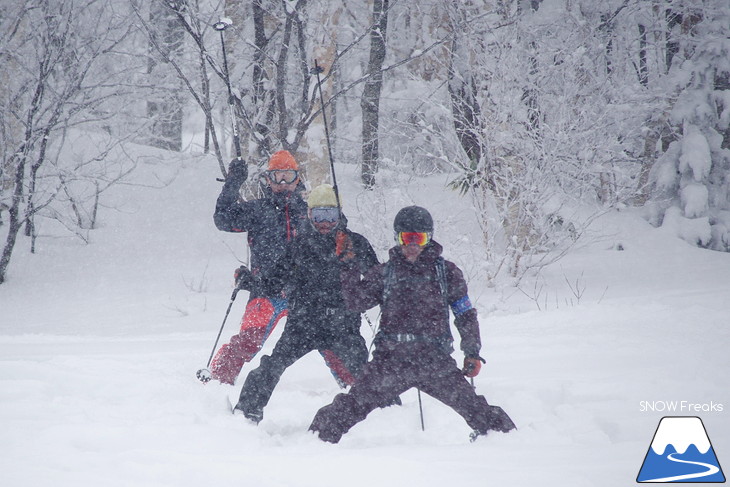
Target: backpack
column 445, row 342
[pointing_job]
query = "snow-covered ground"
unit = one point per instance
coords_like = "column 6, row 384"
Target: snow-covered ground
column 99, row 345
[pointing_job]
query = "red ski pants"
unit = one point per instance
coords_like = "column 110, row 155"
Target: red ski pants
column 259, row 320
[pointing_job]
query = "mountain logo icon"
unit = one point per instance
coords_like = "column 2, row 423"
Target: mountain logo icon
column 680, row 452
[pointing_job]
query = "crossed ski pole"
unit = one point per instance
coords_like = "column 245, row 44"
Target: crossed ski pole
column 317, row 70
column 204, row 375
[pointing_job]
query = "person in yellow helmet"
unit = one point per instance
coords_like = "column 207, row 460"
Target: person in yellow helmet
column 318, row 320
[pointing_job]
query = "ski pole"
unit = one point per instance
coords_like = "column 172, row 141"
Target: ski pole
column 204, row 375
column 420, row 409
column 221, row 26
column 319, row 69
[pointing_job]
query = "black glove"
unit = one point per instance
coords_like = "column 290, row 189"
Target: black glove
column 244, row 278
column 472, row 366
column 237, row 173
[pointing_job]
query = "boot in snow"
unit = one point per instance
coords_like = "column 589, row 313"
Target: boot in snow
column 254, row 416
column 499, row 421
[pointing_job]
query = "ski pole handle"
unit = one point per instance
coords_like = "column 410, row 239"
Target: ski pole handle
column 220, row 27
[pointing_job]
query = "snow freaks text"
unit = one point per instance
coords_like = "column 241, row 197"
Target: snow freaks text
column 680, row 407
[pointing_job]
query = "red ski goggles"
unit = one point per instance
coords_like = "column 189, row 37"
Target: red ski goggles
column 324, row 214
column 418, row 238
column 282, row 176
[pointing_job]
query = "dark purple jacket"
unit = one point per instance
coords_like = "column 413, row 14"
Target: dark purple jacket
column 415, row 304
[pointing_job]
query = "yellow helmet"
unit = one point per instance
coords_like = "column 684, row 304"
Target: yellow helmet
column 322, row 196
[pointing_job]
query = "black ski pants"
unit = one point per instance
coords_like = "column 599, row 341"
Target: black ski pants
column 392, row 371
column 338, row 343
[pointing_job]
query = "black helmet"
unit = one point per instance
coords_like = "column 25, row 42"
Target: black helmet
column 413, row 219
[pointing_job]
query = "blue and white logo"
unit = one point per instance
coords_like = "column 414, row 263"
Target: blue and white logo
column 681, row 452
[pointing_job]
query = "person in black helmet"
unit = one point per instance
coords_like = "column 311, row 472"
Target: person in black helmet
column 415, row 290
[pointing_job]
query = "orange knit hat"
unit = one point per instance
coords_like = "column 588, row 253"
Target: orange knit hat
column 282, row 160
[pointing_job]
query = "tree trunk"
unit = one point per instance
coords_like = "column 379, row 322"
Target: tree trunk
column 722, row 83
column 15, row 222
column 465, row 109
column 606, row 28
column 643, row 67
column 673, row 19
column 655, row 131
column 259, row 79
column 18, row 161
column 32, row 179
column 370, row 102
column 166, row 112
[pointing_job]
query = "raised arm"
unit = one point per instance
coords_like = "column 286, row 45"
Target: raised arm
column 231, row 215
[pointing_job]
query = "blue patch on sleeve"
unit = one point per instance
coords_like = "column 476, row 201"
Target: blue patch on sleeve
column 461, row 306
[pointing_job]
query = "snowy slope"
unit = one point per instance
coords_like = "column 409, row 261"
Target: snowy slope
column 99, row 344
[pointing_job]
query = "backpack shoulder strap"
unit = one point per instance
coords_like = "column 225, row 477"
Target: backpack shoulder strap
column 388, row 281
column 441, row 274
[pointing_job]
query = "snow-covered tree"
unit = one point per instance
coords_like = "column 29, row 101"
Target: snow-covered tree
column 165, row 105
column 68, row 73
column 545, row 127
column 692, row 176
column 180, row 64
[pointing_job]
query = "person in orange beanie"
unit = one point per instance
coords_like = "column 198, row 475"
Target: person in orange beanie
column 272, row 223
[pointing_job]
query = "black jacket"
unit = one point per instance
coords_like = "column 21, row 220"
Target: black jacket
column 272, row 222
column 311, row 270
